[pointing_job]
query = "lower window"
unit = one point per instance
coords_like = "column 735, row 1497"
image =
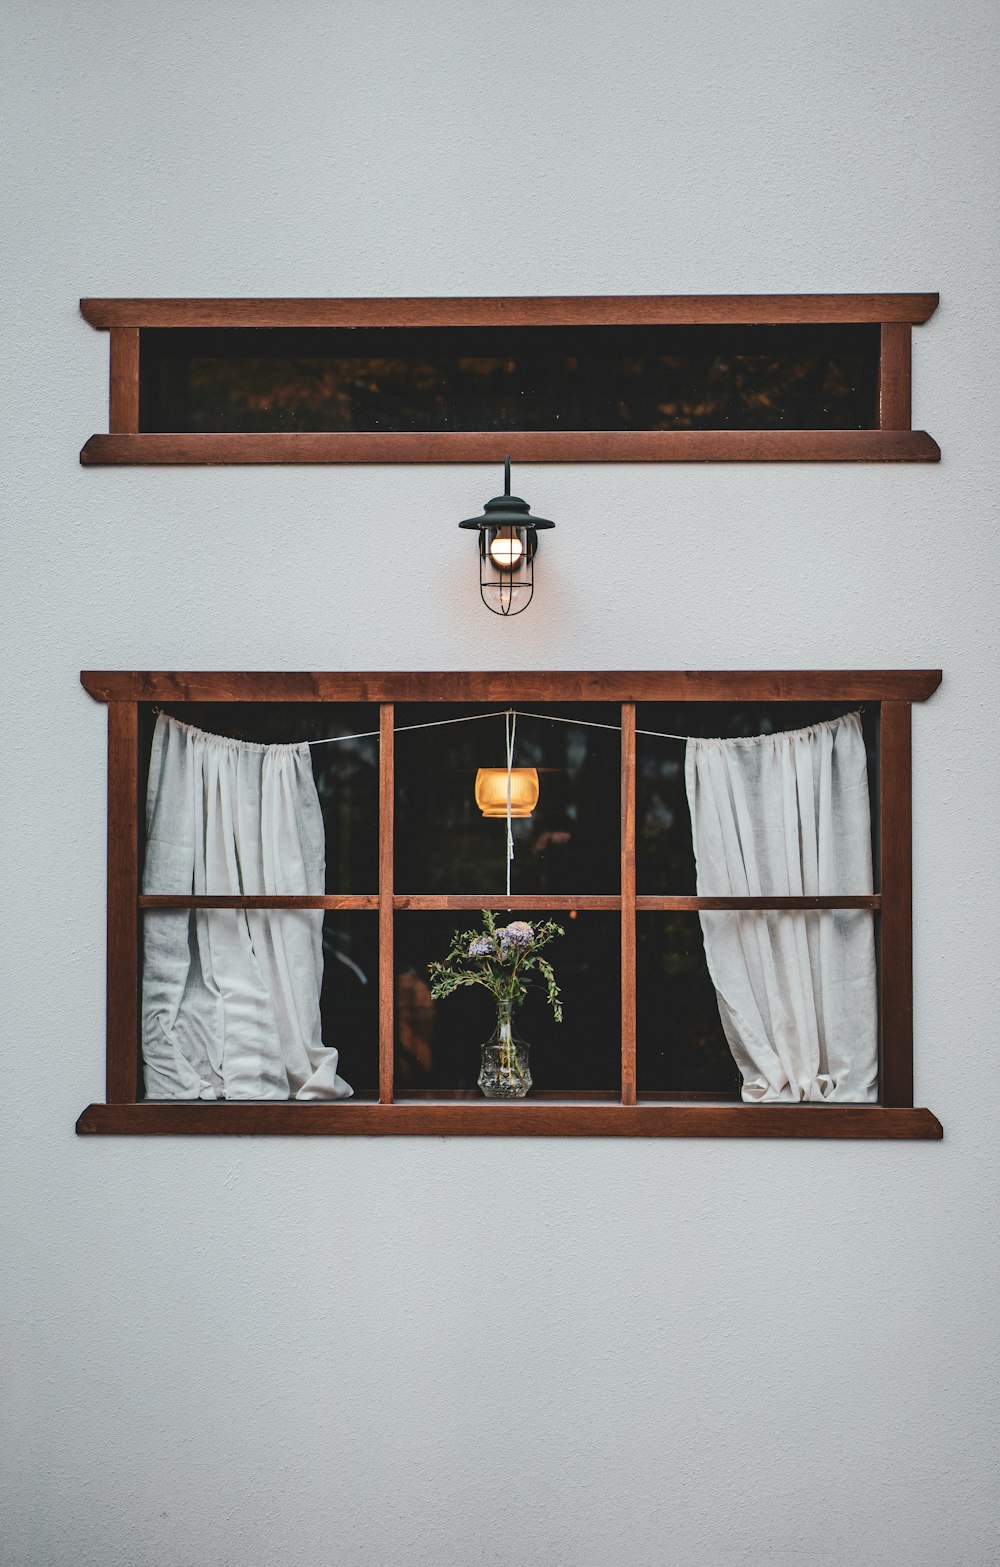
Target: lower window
column 611, row 904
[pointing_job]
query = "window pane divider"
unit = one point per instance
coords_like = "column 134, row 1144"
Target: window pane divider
column 154, row 900
column 123, row 918
column 895, row 816
column 386, row 976
column 487, row 900
column 263, row 900
column 628, row 903
column 539, row 901
column 860, row 900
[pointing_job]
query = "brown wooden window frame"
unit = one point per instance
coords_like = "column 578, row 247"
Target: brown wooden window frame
column 893, row 1117
column 893, row 441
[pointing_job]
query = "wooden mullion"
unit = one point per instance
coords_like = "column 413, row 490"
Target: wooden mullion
column 895, row 376
column 123, row 391
column 628, row 903
column 683, row 903
column 170, row 900
column 532, row 901
column 123, row 918
column 386, row 968
column 896, row 810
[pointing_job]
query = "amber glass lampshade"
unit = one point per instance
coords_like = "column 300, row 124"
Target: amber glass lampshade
column 491, row 790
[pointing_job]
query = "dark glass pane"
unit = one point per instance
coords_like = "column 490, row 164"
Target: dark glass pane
column 438, row 1042
column 569, row 844
column 346, row 773
column 664, row 850
column 809, row 377
column 348, row 999
column 680, row 1046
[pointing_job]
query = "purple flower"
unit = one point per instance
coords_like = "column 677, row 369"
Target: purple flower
column 482, row 947
column 517, row 934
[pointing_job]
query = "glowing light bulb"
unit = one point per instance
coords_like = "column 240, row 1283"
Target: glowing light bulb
column 506, row 550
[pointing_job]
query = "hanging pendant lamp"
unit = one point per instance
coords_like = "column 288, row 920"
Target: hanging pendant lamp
column 491, row 791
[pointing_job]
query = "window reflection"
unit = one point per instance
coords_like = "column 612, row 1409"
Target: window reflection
column 509, row 378
column 680, row 1045
column 438, row 1042
column 346, row 773
column 570, row 842
column 349, row 998
column 664, row 851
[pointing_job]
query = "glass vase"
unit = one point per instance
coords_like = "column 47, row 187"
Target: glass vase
column 505, row 1073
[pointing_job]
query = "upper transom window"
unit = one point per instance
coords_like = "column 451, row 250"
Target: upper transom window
column 741, row 378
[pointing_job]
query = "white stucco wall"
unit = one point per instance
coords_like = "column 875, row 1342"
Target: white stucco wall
column 444, row 1352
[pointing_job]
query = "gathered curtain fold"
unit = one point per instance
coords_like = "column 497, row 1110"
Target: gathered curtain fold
column 787, row 815
column 231, row 997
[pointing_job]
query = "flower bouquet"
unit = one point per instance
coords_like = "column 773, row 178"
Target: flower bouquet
column 499, row 959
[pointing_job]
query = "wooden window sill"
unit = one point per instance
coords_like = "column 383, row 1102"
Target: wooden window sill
column 542, row 446
column 546, row 1118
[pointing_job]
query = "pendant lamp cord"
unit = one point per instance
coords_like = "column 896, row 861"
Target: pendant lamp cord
column 510, row 726
column 512, row 714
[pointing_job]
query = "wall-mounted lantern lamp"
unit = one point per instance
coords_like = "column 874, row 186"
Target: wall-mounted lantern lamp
column 508, row 544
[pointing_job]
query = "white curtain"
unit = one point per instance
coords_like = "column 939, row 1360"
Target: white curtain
column 781, row 815
column 230, row 997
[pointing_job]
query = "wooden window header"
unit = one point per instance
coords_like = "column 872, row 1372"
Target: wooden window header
column 684, row 685
column 892, row 440
column 581, row 310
